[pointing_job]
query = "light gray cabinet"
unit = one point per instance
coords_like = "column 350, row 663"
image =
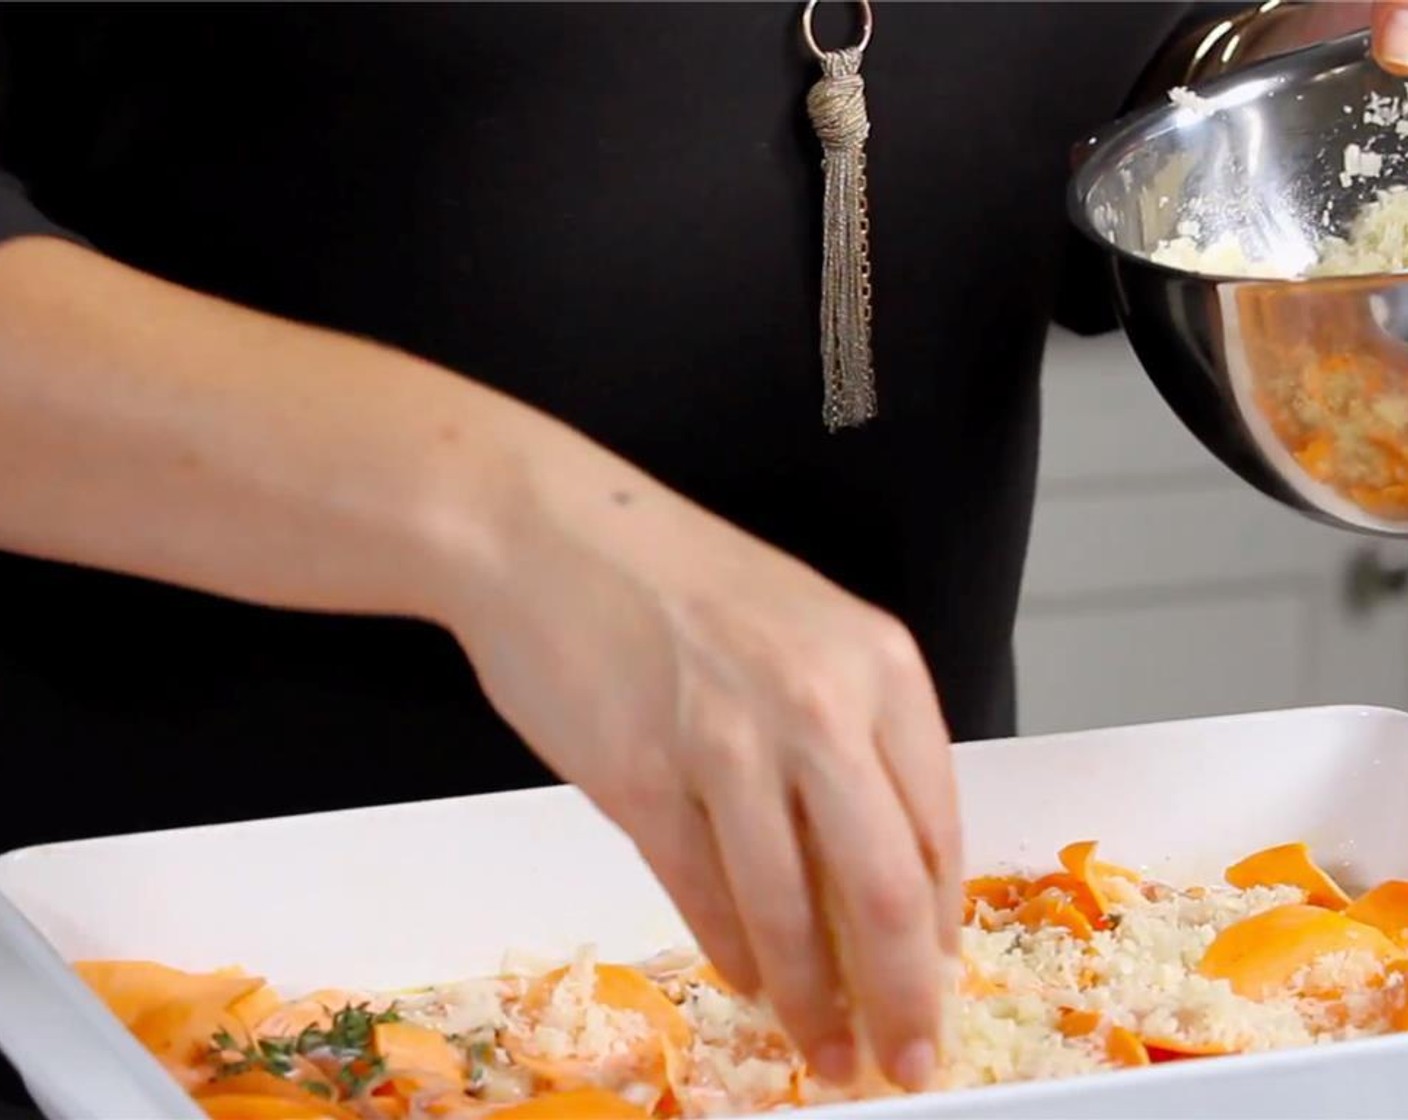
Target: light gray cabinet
column 1159, row 585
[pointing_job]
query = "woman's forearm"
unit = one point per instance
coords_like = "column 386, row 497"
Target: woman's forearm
column 160, row 433
column 703, row 688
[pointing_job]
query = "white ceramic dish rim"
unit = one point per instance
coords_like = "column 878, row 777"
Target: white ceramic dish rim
column 988, row 1100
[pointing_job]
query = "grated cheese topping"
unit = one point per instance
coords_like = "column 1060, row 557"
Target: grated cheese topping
column 1139, row 973
column 1089, row 968
column 1185, row 98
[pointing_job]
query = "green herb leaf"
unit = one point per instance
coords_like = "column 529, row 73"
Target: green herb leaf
column 348, row 1040
column 359, row 1073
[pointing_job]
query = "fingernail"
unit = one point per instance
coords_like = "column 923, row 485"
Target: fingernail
column 915, row 1065
column 835, row 1061
column 1393, row 44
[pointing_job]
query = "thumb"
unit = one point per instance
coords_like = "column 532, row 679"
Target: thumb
column 1390, row 35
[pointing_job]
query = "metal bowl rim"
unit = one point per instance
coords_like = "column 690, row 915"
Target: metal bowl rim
column 1346, row 50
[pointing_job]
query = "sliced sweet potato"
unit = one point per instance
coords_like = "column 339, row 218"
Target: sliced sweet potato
column 178, row 1035
column 625, row 989
column 1125, row 1048
column 132, row 988
column 651, row 1059
column 1386, row 909
column 1076, row 893
column 260, row 1083
column 1093, row 875
column 1074, row 1023
column 421, row 1063
column 314, row 1010
column 1260, row 955
column 1164, row 1049
column 1062, row 881
column 1122, row 1046
column 1001, row 892
column 256, row 1006
column 409, row 1047
column 388, row 1106
column 400, row 1094
column 577, row 1104
column 172, row 1013
column 1051, row 908
column 1288, row 865
column 250, row 1106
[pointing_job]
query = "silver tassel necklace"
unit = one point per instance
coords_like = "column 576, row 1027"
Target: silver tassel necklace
column 836, row 105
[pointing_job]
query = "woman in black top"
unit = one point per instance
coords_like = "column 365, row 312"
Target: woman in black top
column 337, row 343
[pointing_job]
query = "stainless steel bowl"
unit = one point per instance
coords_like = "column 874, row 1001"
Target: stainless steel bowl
column 1301, row 385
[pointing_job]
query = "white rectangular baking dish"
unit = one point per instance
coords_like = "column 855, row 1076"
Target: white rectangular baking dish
column 389, row 897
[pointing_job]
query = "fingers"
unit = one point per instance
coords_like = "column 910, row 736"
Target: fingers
column 676, row 838
column 1389, row 22
column 915, row 751
column 823, row 771
column 763, row 858
column 873, row 863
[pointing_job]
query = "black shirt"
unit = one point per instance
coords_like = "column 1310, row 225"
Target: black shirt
column 611, row 211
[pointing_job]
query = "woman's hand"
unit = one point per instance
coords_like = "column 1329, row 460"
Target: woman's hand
column 1390, row 35
column 1329, row 19
column 768, row 740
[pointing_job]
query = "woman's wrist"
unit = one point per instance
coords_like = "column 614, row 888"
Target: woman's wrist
column 465, row 485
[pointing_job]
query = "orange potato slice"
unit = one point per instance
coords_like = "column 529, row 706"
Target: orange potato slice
column 1122, row 1046
column 178, row 1035
column 248, row 1106
column 1125, row 1048
column 388, row 1107
column 1074, row 1023
column 1386, row 909
column 256, row 1006
column 1261, row 954
column 171, row 1012
column 625, row 989
column 1001, row 892
column 1051, row 908
column 267, row 1086
column 1074, row 891
column 1288, row 865
column 420, row 1062
column 655, row 1058
column 406, row 1047
column 132, row 988
column 1080, row 863
column 1163, row 1049
column 315, row 1010
column 576, row 1104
